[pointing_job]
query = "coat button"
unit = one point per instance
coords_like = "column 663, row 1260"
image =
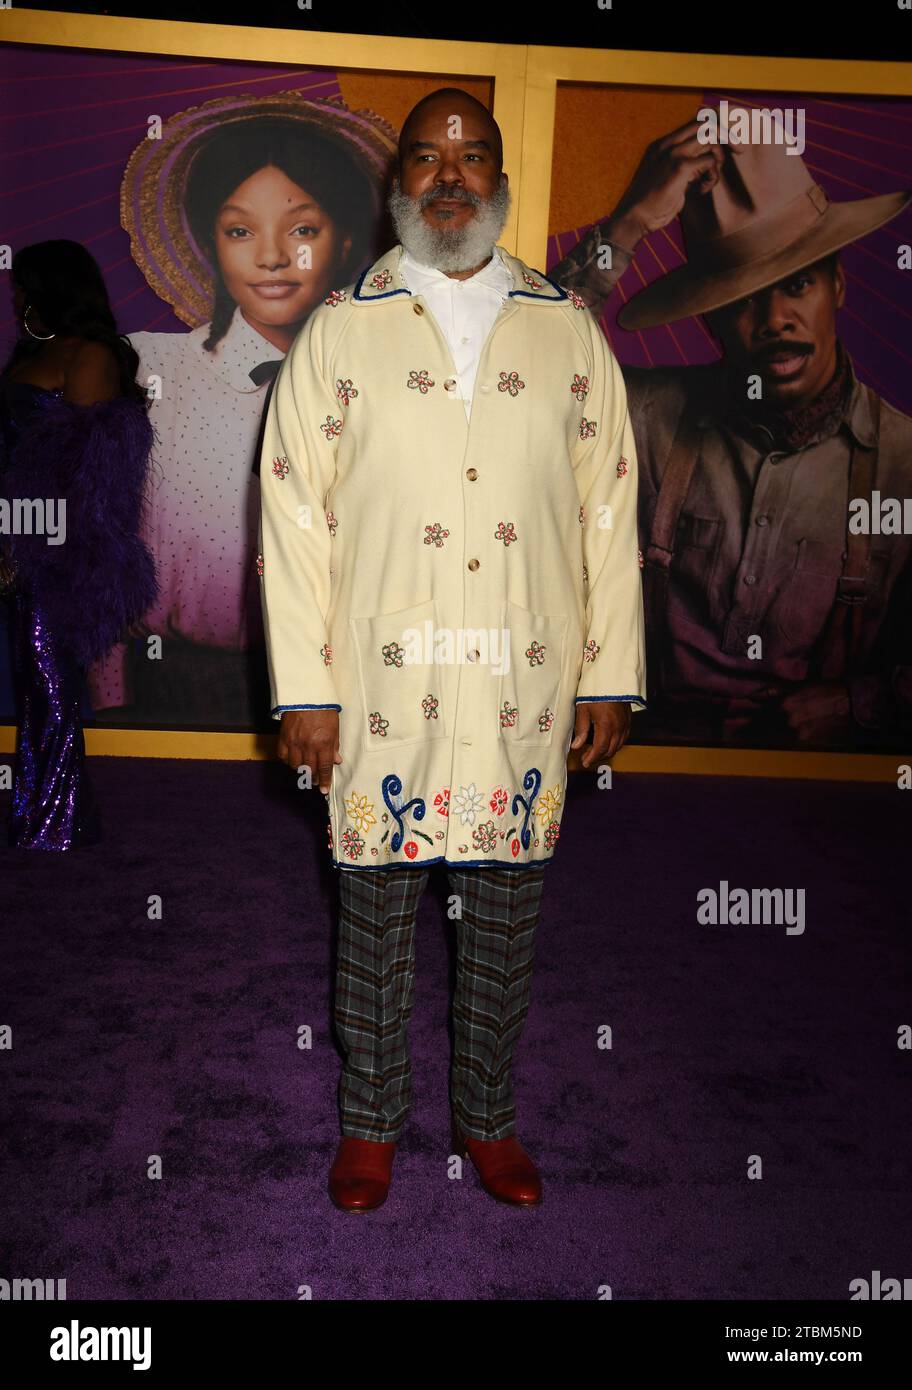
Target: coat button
column 471, row 474
column 450, row 384
column 474, row 655
column 473, row 564
column 417, row 308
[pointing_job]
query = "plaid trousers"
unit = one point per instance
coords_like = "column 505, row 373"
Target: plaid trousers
column 495, row 945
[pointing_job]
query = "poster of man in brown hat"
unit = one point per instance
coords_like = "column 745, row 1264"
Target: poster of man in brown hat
column 777, row 571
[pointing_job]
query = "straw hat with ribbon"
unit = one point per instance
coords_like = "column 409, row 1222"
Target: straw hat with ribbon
column 763, row 219
column 152, row 192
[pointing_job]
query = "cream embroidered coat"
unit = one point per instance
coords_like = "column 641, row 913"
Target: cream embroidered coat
column 452, row 587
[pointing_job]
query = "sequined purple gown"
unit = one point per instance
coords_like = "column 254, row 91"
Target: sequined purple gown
column 53, row 803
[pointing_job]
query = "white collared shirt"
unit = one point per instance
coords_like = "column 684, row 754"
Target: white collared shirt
column 464, row 309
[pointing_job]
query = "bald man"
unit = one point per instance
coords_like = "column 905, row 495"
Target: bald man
column 461, row 421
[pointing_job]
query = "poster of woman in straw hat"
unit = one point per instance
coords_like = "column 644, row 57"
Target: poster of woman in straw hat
column 243, row 214
column 749, row 257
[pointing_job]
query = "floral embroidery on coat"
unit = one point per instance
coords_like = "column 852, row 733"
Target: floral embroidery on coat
column 587, row 428
column 259, row 565
column 591, row 649
column 429, row 704
column 535, row 653
column 505, row 532
column 545, row 720
column 392, row 654
column 332, row 428
column 361, row 811
column 530, row 280
column 332, row 523
column 508, row 715
column 547, row 804
column 509, row 381
column 622, row 467
column 335, row 297
column 345, row 390
column 484, row 837
column 435, row 534
column 326, row 652
column 420, row 381
column 377, row 724
column 576, row 299
column 579, row 386
column 467, row 802
column 381, row 279
column 470, row 804
column 352, row 844
column 281, row 467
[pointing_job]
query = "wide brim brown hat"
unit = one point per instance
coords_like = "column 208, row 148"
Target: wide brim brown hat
column 764, row 219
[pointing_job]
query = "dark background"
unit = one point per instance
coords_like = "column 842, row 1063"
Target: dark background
column 787, row 28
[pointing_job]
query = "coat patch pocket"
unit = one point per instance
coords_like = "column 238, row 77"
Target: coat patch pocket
column 401, row 685
column 530, row 691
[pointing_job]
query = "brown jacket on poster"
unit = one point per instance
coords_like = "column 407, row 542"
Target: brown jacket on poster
column 760, row 542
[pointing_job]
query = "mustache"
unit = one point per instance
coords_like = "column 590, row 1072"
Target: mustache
column 451, row 195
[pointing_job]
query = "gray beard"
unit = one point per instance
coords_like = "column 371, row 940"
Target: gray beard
column 442, row 247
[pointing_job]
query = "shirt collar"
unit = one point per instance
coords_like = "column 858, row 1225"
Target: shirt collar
column 494, row 275
column 383, row 281
column 241, row 348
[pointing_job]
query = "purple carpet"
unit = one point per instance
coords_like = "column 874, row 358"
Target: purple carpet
column 178, row 1037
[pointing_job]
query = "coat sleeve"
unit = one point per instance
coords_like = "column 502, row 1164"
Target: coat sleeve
column 605, row 465
column 297, row 468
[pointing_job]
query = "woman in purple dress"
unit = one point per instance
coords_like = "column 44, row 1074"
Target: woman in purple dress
column 75, row 444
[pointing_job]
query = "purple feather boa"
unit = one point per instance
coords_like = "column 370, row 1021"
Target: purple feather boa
column 101, row 580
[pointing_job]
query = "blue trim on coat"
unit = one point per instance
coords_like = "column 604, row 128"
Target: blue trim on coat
column 381, row 294
column 280, row 709
column 594, row 699
column 452, row 863
column 511, row 294
column 536, row 294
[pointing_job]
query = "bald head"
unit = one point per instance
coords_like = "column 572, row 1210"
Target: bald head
column 450, row 113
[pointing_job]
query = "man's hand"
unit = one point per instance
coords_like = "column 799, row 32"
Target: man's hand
column 655, row 195
column 310, row 738
column 610, row 721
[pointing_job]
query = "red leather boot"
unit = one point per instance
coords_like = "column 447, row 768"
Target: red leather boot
column 505, row 1169
column 359, row 1178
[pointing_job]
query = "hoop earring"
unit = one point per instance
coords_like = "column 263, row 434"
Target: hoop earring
column 42, row 337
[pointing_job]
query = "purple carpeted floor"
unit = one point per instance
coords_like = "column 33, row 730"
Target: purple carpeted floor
column 179, row 1038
